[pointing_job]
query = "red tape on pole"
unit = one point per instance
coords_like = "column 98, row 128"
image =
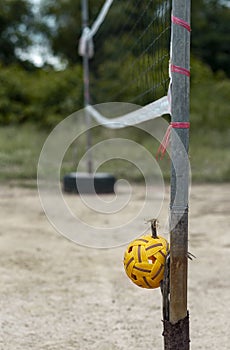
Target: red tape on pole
column 175, row 69
column 186, row 25
column 181, row 23
column 180, row 70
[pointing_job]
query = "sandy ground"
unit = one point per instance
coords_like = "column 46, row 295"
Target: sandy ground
column 57, row 295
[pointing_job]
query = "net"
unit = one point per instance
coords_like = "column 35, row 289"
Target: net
column 129, row 50
column 131, row 56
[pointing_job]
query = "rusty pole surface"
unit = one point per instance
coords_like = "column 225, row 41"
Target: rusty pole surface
column 180, row 165
column 176, row 317
column 176, row 328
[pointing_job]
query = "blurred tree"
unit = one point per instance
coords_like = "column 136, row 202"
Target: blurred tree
column 47, row 95
column 44, row 97
column 62, row 27
column 62, row 23
column 210, row 27
column 211, row 33
column 16, row 26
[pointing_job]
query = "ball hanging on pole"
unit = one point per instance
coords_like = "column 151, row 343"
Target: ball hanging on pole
column 145, row 259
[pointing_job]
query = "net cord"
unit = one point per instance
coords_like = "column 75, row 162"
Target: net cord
column 86, row 46
column 150, row 111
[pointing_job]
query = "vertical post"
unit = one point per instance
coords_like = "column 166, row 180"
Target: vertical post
column 176, row 329
column 85, row 18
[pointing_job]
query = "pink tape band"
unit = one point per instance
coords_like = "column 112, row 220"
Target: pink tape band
column 181, row 23
column 180, row 125
column 180, row 70
column 165, row 142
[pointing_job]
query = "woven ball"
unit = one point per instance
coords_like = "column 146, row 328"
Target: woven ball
column 144, row 261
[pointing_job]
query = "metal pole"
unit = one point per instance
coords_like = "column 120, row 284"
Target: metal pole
column 176, row 329
column 85, row 17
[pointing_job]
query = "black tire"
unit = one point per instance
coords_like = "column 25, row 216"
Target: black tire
column 89, row 183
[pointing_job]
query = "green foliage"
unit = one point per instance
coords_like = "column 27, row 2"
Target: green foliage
column 20, row 148
column 58, row 25
column 62, row 27
column 21, row 145
column 210, row 27
column 210, row 93
column 48, row 96
column 44, row 96
column 126, row 82
column 16, row 28
column 132, row 53
column 209, row 155
column 211, row 33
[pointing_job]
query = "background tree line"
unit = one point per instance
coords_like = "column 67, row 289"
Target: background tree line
column 46, row 95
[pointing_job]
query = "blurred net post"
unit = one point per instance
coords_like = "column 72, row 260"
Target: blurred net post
column 86, row 85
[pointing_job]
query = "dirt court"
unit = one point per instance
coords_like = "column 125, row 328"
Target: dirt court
column 57, row 295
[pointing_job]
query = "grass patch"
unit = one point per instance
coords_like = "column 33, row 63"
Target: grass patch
column 210, row 156
column 20, row 147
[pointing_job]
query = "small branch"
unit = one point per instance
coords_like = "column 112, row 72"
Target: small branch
column 154, row 224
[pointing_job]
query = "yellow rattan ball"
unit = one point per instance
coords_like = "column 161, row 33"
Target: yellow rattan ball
column 144, row 261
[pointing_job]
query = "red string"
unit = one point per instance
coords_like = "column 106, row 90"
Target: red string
column 165, row 142
column 180, row 70
column 181, row 23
